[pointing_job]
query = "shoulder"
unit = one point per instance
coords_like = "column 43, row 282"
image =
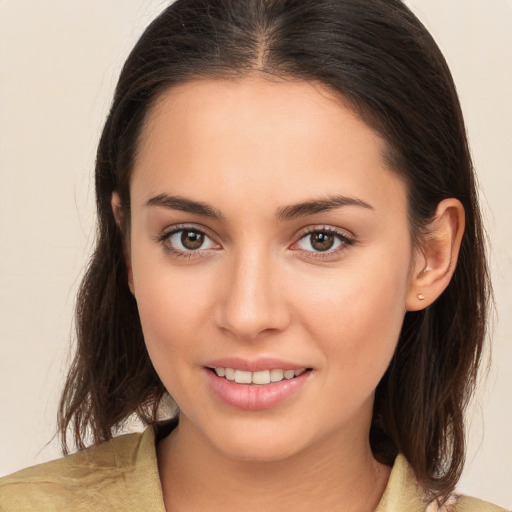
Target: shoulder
column 461, row 503
column 403, row 494
column 467, row 504
column 110, row 476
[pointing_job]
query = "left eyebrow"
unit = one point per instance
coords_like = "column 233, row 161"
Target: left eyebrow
column 318, row 206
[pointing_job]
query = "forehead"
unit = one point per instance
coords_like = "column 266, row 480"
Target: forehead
column 247, row 108
column 249, row 137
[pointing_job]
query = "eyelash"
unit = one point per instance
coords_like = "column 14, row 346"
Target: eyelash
column 165, row 238
column 344, row 239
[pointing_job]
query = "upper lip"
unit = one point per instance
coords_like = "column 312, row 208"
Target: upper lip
column 254, row 365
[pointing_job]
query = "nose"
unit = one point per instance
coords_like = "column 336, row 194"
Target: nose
column 252, row 299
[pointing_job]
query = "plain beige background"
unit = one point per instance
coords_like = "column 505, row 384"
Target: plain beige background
column 59, row 64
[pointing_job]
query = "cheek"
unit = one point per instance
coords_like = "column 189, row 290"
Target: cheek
column 171, row 305
column 170, row 310
column 356, row 316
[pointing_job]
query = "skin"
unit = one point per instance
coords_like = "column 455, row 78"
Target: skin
column 257, row 288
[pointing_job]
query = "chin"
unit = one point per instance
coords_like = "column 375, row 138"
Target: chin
column 256, row 450
column 258, row 441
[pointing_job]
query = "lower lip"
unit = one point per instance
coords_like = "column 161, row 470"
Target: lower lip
column 254, row 396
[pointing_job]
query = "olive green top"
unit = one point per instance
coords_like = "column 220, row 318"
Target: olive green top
column 122, row 474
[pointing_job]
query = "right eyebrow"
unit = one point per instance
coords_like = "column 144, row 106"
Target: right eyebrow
column 185, row 205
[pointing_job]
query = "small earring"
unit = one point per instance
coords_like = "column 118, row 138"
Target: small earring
column 421, row 296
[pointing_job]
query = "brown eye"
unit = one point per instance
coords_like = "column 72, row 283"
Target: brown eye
column 188, row 241
column 322, row 241
column 327, row 241
column 192, row 240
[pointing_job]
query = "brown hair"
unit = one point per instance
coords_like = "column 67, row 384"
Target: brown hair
column 382, row 60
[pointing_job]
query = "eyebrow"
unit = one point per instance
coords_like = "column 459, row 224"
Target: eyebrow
column 318, row 206
column 285, row 213
column 185, row 205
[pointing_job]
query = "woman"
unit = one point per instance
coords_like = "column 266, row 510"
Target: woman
column 290, row 245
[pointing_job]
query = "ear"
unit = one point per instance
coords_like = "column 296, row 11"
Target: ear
column 436, row 258
column 117, row 209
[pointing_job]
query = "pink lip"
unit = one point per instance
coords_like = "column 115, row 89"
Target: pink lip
column 253, row 396
column 256, row 365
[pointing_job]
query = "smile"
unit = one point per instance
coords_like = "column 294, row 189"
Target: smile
column 260, row 378
column 256, row 390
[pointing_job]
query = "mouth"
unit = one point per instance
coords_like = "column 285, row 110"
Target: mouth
column 258, row 378
column 256, row 390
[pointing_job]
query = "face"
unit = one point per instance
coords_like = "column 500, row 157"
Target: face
column 270, row 258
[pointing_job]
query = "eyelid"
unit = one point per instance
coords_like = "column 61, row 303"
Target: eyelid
column 347, row 239
column 190, row 226
column 168, row 232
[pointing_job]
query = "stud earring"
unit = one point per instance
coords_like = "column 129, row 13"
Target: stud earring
column 421, row 296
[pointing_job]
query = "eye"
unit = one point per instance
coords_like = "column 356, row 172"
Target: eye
column 325, row 240
column 184, row 241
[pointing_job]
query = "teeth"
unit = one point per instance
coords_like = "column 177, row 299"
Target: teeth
column 289, row 374
column 242, row 377
column 276, row 375
column 261, row 377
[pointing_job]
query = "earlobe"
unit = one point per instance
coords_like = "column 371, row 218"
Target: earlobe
column 117, row 210
column 437, row 256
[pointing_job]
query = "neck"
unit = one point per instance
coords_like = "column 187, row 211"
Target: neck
column 335, row 474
